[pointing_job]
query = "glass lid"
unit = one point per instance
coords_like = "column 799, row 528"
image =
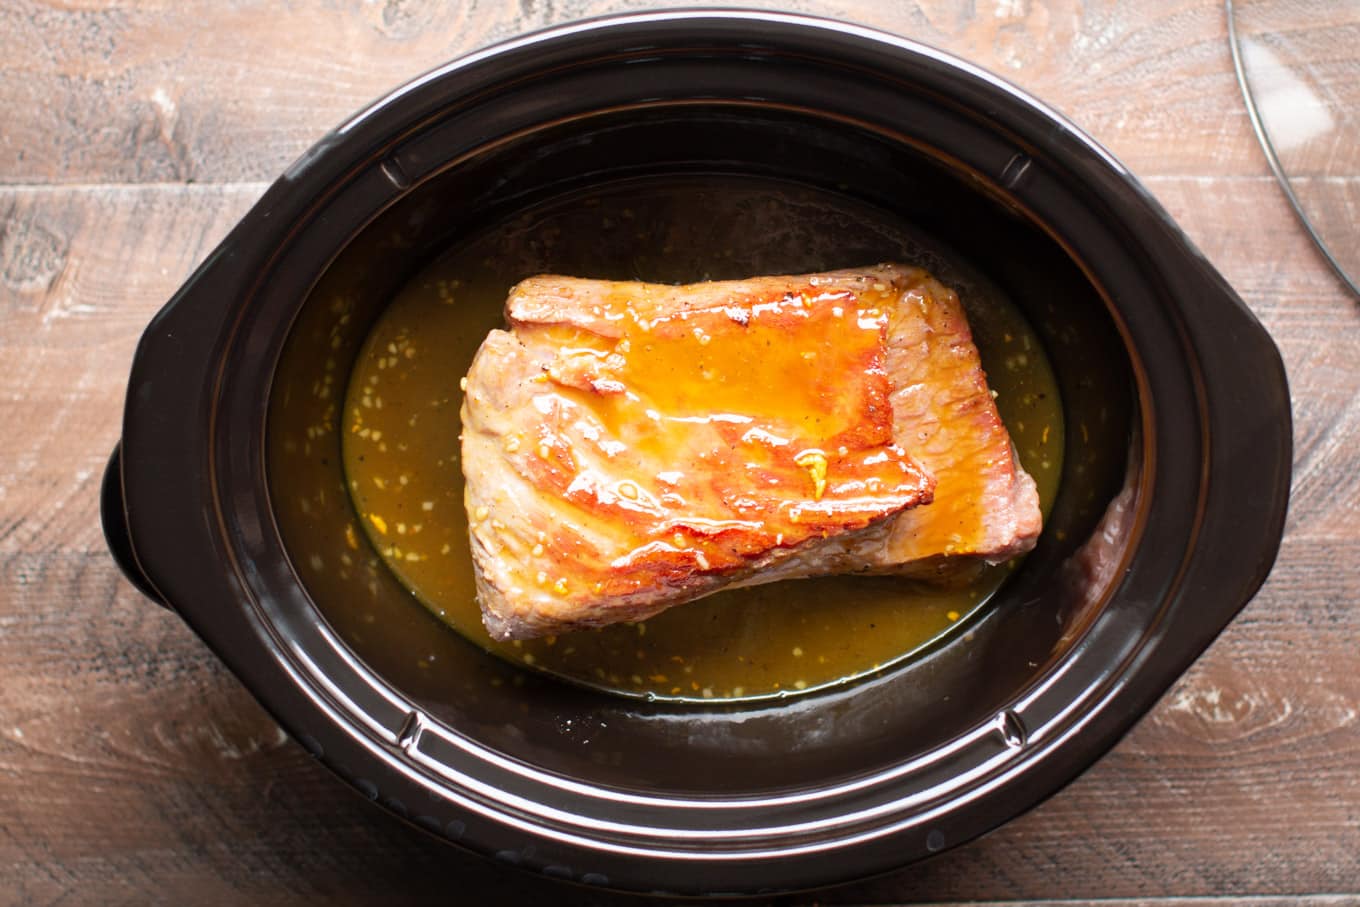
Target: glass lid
column 1298, row 62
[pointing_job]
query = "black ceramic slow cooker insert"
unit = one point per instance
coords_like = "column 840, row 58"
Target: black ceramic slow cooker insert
column 1153, row 546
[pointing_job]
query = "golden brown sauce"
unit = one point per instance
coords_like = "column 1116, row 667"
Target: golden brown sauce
column 798, row 347
column 692, row 441
column 401, row 454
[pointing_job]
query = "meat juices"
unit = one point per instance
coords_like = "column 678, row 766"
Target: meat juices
column 629, row 447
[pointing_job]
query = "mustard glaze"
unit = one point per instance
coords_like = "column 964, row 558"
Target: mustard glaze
column 692, row 442
column 401, row 455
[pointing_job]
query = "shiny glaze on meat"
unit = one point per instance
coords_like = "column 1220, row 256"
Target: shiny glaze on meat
column 629, row 446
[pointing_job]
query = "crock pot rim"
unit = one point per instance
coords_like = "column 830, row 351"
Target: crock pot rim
column 321, row 165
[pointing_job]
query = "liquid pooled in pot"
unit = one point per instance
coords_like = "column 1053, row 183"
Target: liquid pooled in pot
column 401, row 448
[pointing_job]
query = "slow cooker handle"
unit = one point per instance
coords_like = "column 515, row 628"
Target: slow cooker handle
column 113, row 516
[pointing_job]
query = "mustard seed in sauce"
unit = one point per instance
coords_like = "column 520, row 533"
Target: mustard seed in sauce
column 738, row 644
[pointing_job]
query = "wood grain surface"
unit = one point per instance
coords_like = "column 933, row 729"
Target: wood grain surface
column 134, row 769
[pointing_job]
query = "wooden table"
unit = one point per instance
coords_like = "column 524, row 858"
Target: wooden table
column 134, row 768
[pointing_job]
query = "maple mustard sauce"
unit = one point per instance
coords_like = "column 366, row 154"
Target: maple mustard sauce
column 669, row 440
column 401, row 430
